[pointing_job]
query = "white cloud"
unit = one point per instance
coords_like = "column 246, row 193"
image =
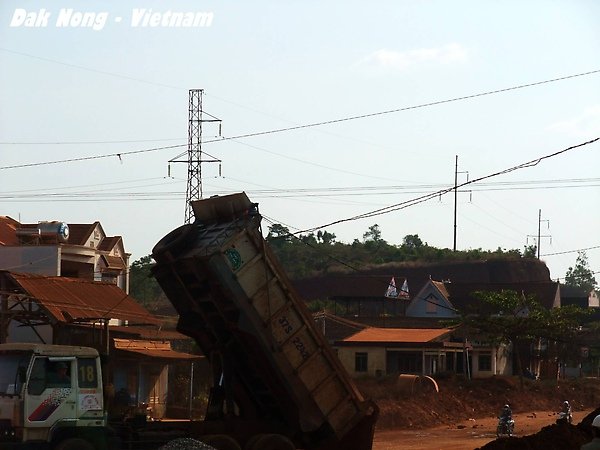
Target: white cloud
column 587, row 124
column 391, row 59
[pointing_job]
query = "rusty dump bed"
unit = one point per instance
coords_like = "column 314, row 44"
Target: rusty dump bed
column 234, row 299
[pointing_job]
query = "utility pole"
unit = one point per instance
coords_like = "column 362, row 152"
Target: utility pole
column 455, row 197
column 194, row 172
column 456, row 172
column 194, row 152
column 539, row 233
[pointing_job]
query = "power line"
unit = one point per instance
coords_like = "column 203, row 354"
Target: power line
column 130, row 141
column 426, row 197
column 298, row 127
column 572, row 251
column 407, row 108
column 87, row 158
column 102, row 72
column 307, row 193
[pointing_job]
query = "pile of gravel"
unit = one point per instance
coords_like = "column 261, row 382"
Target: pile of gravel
column 186, row 444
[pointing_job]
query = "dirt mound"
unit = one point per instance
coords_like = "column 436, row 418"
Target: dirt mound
column 553, row 437
column 460, row 399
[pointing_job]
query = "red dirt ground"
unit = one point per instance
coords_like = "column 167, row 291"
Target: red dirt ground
column 463, row 414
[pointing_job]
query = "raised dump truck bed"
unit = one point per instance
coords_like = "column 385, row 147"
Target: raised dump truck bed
column 274, row 371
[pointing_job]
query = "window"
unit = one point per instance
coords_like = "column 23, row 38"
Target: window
column 361, row 360
column 58, row 374
column 37, row 378
column 12, row 372
column 485, row 362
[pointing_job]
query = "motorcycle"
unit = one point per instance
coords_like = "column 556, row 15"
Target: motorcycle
column 564, row 417
column 505, row 427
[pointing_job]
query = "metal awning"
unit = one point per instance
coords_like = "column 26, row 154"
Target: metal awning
column 152, row 349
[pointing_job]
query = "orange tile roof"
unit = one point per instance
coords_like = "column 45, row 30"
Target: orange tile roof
column 405, row 335
column 71, row 299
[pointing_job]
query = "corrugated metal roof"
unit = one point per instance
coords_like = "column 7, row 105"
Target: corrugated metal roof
column 404, row 335
column 8, row 227
column 72, row 299
column 154, row 349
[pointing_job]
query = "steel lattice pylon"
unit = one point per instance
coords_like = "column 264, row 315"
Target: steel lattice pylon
column 194, row 178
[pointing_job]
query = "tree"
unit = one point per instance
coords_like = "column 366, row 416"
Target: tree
column 325, row 237
column 374, row 234
column 581, row 276
column 143, row 286
column 530, row 251
column 412, row 242
column 509, row 317
column 279, row 233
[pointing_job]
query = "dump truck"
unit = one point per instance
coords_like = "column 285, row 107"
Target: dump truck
column 51, row 396
column 277, row 384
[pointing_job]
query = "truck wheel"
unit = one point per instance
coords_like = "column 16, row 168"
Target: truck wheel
column 74, row 444
column 221, row 442
column 274, row 442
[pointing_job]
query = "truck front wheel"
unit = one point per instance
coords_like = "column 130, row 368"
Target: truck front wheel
column 74, row 444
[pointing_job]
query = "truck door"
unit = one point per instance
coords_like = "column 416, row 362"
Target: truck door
column 50, row 395
column 89, row 385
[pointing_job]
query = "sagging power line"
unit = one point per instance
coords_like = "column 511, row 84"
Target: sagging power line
column 310, row 125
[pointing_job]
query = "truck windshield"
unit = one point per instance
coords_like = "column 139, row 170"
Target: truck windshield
column 13, row 367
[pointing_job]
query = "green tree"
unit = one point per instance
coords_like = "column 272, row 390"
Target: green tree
column 374, row 234
column 581, row 276
column 509, row 317
column 530, row 251
column 412, row 242
column 279, row 235
column 325, row 237
column 143, row 286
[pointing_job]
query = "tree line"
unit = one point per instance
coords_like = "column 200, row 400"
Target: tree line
column 311, row 254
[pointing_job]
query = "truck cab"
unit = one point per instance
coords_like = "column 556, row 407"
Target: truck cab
column 51, row 397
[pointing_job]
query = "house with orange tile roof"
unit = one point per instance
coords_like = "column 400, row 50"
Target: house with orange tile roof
column 391, row 351
column 61, row 249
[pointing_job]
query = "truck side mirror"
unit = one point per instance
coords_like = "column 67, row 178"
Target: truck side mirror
column 22, row 374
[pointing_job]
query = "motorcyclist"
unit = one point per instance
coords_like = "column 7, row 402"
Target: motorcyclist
column 506, row 413
column 565, row 412
column 505, row 423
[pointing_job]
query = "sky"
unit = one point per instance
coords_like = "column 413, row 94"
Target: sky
column 328, row 110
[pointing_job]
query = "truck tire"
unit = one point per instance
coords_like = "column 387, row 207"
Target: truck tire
column 221, row 442
column 74, row 444
column 273, row 442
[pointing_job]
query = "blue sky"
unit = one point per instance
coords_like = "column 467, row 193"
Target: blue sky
column 270, row 65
